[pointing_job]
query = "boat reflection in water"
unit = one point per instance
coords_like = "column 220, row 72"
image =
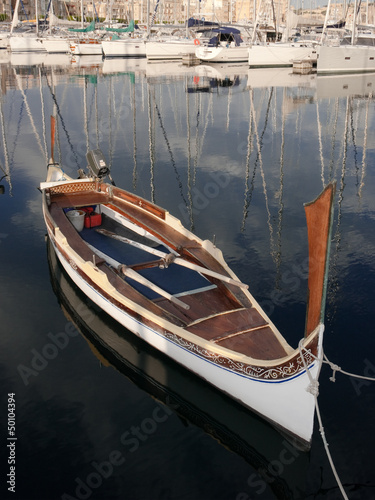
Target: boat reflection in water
column 279, row 469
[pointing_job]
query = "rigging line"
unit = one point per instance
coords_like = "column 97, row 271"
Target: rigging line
column 263, row 176
column 196, row 158
column 11, row 158
column 249, row 195
column 174, row 107
column 229, row 100
column 362, row 183
column 118, row 109
column 189, row 181
column 43, row 115
column 5, row 147
column 97, row 116
column 85, row 114
column 320, row 142
column 259, row 159
column 110, row 142
column 281, row 203
column 151, row 145
column 333, row 139
column 170, row 152
column 354, row 140
column 206, row 122
column 337, row 236
column 247, row 175
column 91, row 106
column 134, row 139
column 63, row 96
column 62, row 121
column 28, row 110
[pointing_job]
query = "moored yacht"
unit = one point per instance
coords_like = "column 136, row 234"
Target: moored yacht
column 355, row 54
column 274, row 54
column 225, row 44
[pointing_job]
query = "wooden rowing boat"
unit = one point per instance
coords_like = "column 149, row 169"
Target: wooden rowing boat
column 177, row 293
column 181, row 392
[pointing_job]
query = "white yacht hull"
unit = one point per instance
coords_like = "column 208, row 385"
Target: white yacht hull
column 57, row 45
column 222, row 53
column 86, row 48
column 169, row 50
column 346, row 59
column 26, row 44
column 124, row 48
column 279, row 54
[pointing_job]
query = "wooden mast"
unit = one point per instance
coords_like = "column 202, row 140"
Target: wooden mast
column 319, row 215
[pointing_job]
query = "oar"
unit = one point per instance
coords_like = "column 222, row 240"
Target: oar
column 138, row 277
column 173, row 258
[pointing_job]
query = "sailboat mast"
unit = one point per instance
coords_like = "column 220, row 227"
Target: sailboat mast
column 354, row 22
column 15, row 16
column 36, row 18
column 81, row 13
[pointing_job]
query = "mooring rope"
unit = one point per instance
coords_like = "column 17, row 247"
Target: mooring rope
column 336, row 368
column 313, row 388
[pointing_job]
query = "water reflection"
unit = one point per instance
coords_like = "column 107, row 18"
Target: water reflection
column 234, row 153
column 208, row 127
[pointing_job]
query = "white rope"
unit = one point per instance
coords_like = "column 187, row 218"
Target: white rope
column 313, row 388
column 325, row 442
column 336, row 368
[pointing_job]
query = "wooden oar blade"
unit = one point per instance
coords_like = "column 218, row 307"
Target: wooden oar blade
column 319, row 215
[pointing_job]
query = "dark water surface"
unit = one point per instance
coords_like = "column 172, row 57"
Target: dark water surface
column 234, row 154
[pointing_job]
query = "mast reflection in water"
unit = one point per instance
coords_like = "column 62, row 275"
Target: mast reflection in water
column 234, row 153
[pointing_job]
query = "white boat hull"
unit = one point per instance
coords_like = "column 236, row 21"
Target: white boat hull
column 222, row 54
column 56, row 45
column 169, row 50
column 86, row 48
column 124, row 48
column 4, row 41
column 279, row 54
column 26, row 44
column 346, row 59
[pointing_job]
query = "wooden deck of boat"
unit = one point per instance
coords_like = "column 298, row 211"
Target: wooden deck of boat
column 222, row 315
column 242, row 330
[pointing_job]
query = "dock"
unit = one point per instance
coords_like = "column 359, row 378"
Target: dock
column 190, row 60
column 304, row 66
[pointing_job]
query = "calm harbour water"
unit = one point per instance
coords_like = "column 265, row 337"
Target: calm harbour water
column 234, row 154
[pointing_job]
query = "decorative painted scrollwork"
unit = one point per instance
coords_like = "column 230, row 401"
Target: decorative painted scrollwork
column 282, row 372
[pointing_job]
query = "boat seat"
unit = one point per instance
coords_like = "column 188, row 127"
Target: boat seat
column 243, row 330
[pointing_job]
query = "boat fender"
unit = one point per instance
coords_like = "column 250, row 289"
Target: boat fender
column 197, row 42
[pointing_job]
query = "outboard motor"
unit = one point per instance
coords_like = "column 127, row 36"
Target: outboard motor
column 97, row 163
